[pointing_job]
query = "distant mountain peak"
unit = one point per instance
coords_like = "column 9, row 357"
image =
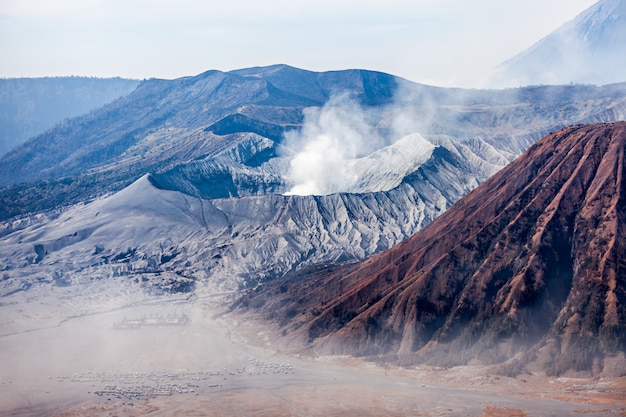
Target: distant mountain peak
column 266, row 70
column 589, row 49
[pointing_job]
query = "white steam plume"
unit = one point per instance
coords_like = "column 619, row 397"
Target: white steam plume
column 331, row 136
column 341, row 149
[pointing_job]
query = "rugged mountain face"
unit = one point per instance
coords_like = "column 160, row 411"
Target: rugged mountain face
column 166, row 123
column 117, row 133
column 589, row 49
column 529, row 268
column 222, row 134
column 169, row 242
column 28, row 106
column 203, row 165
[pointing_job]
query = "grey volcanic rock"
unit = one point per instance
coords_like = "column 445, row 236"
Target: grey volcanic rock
column 205, row 227
column 528, row 268
column 167, row 239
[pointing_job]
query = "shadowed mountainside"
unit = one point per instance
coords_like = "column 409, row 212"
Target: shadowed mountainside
column 28, row 106
column 528, row 268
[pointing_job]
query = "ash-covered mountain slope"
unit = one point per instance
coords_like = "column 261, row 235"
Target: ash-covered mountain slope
column 29, row 106
column 529, row 268
column 589, row 49
column 220, row 134
column 218, row 150
column 179, row 241
column 170, row 242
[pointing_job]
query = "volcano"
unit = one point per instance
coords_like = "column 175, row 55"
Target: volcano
column 528, row 270
column 588, row 49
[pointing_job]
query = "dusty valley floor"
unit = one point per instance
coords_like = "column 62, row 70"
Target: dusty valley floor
column 179, row 359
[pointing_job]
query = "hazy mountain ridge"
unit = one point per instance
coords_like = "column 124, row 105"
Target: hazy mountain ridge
column 161, row 124
column 220, row 146
column 29, row 106
column 164, row 124
column 528, row 268
column 589, row 49
column 187, row 104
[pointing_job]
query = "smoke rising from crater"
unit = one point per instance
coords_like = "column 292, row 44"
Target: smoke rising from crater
column 331, row 135
column 341, row 142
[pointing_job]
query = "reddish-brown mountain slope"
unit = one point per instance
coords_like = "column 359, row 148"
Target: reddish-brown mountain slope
column 532, row 263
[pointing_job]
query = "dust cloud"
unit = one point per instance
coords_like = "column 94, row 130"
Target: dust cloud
column 168, row 355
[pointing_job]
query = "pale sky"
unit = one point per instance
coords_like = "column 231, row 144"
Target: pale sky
column 440, row 42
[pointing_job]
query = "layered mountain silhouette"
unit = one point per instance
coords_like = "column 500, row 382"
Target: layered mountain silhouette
column 529, row 269
column 183, row 185
column 589, row 49
column 217, row 135
column 195, row 174
column 29, row 106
